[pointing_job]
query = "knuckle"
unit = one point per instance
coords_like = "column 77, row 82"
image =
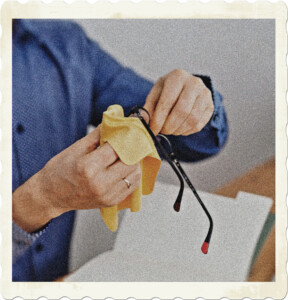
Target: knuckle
column 198, row 82
column 99, row 190
column 179, row 73
column 207, row 93
column 199, row 85
column 106, row 153
column 84, row 170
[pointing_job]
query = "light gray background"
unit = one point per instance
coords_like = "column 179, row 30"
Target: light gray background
column 239, row 56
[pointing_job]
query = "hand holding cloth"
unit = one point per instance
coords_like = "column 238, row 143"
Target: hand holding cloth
column 133, row 144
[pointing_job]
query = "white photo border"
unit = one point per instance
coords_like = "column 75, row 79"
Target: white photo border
column 145, row 9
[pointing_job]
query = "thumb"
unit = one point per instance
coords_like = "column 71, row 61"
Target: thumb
column 153, row 96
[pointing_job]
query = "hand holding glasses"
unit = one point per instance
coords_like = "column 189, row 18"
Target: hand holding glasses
column 174, row 163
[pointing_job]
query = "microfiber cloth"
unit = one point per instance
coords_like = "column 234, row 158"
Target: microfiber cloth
column 133, row 144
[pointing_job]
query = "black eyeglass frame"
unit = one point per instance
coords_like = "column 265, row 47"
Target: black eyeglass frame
column 175, row 164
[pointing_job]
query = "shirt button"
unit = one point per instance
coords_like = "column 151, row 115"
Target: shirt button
column 20, row 128
column 39, row 247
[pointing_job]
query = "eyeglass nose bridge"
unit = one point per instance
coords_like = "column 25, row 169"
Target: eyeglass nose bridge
column 137, row 111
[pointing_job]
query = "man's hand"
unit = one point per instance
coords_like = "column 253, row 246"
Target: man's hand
column 179, row 104
column 82, row 176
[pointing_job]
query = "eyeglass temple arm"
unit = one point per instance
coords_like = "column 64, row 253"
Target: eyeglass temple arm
column 172, row 160
column 208, row 237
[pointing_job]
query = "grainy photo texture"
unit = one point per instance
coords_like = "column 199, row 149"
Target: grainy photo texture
column 143, row 149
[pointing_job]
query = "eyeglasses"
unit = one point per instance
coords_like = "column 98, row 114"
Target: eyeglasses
column 174, row 163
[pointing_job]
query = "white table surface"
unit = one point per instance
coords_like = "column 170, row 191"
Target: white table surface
column 159, row 244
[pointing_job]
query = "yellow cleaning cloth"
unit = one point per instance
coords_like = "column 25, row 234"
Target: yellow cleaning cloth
column 133, row 144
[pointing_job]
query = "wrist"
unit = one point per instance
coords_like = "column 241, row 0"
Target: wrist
column 43, row 194
column 31, row 206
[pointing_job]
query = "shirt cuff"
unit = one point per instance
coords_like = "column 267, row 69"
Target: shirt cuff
column 218, row 120
column 22, row 239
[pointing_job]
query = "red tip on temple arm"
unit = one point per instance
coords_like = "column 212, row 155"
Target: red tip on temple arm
column 205, row 247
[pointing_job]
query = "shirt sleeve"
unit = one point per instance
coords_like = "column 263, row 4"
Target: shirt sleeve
column 22, row 239
column 115, row 84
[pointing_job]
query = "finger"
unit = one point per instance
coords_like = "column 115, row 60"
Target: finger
column 132, row 180
column 120, row 170
column 153, row 96
column 88, row 143
column 172, row 88
column 181, row 110
column 102, row 157
column 122, row 190
column 191, row 123
column 204, row 120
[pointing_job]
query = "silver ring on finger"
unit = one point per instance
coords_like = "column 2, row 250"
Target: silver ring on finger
column 127, row 182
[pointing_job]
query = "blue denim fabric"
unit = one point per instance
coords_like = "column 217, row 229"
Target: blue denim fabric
column 62, row 81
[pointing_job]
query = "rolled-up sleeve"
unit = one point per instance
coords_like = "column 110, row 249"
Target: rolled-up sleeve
column 115, row 84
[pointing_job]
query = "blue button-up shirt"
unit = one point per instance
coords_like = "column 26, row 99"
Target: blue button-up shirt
column 62, row 81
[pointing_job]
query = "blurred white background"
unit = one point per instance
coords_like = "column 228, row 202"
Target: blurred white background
column 238, row 55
